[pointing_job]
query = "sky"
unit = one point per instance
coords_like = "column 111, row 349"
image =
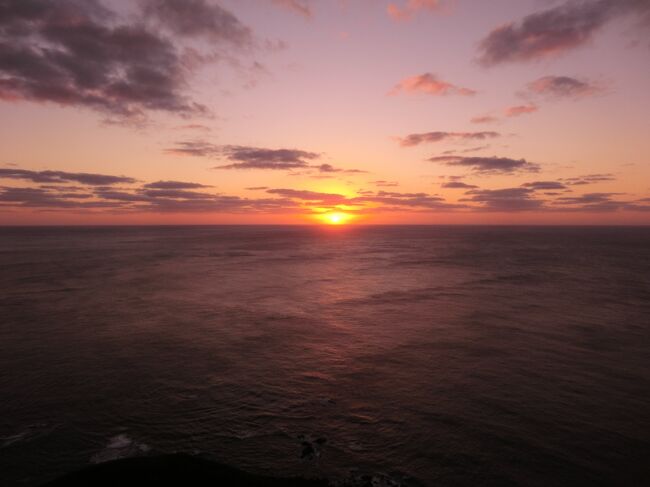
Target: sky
column 324, row 111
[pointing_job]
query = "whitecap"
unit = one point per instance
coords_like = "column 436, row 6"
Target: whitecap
column 120, row 446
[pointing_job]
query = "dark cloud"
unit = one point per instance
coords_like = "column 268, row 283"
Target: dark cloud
column 178, row 200
column 41, row 198
column 79, row 53
column 328, row 168
column 257, row 188
column 589, row 179
column 432, row 137
column 196, row 148
column 597, row 202
column 544, row 185
column 489, row 164
column 457, row 185
column 176, row 194
column 509, row 199
column 174, row 185
column 243, row 157
column 258, row 158
column 588, row 198
column 61, row 177
column 121, row 195
column 195, row 18
column 561, row 87
column 218, row 203
column 71, row 52
column 554, row 31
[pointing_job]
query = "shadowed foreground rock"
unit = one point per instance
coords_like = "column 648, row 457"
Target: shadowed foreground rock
column 181, row 470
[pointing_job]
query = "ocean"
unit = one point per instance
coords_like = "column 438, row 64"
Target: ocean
column 388, row 355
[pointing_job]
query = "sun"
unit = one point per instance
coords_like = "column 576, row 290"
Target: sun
column 336, row 218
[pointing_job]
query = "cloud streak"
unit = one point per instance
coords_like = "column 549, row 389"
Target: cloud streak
column 434, row 137
column 488, row 165
column 589, row 179
column 174, row 185
column 508, row 199
column 63, row 177
column 544, row 185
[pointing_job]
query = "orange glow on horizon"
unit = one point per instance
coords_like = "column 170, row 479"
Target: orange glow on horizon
column 335, row 218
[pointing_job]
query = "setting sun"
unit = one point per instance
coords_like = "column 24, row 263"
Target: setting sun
column 336, row 218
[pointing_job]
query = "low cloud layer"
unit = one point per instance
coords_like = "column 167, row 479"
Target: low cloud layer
column 81, row 192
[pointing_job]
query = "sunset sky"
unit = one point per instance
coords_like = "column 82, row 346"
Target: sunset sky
column 283, row 111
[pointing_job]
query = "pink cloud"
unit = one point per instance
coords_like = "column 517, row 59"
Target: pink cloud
column 484, row 119
column 411, row 7
column 518, row 110
column 429, row 84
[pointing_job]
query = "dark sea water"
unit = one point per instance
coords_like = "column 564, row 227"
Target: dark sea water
column 437, row 356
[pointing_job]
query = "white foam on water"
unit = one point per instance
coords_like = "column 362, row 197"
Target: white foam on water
column 120, row 446
column 29, row 433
